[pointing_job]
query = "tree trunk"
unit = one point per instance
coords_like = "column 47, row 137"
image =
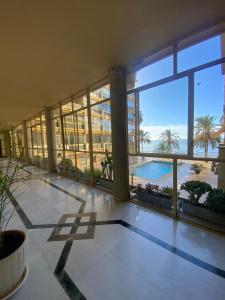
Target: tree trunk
column 206, row 149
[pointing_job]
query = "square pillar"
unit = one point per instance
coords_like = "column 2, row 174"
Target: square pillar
column 221, row 167
column 26, row 159
column 119, row 133
column 51, row 163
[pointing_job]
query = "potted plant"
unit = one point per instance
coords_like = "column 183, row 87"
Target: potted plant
column 197, row 168
column 13, row 270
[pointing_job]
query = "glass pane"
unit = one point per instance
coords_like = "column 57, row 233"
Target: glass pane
column 101, row 127
column 46, row 159
column 100, row 94
column 34, row 137
column 199, row 54
column 35, row 159
column 69, row 164
column 209, row 126
column 79, row 102
column 38, row 119
column 42, row 116
column 131, row 123
column 103, row 170
column 163, row 117
column 200, row 200
column 58, row 156
column 30, row 151
column 55, row 112
column 44, row 135
column 57, row 139
column 68, row 124
column 67, row 107
column 29, row 138
column 156, row 71
column 151, row 181
column 81, row 130
column 39, row 138
column 40, row 159
column 32, row 122
column 83, row 166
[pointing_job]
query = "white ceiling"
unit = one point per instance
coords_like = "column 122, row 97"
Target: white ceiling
column 50, row 49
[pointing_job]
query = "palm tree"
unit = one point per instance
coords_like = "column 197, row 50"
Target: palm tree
column 204, row 129
column 140, row 117
column 144, row 137
column 161, row 148
column 169, row 140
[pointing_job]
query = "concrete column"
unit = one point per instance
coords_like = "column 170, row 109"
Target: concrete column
column 6, row 143
column 221, row 168
column 119, row 133
column 26, row 152
column 51, row 163
column 13, row 146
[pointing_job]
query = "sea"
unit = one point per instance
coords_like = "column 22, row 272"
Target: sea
column 198, row 152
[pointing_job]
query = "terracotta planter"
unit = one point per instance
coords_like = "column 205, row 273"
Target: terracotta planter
column 13, row 270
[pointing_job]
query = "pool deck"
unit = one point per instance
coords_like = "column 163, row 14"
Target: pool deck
column 183, row 173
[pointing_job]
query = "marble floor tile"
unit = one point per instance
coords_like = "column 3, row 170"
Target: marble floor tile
column 83, row 256
column 126, row 260
column 41, row 284
column 111, row 279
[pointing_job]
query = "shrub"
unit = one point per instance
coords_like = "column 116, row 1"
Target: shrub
column 167, row 190
column 197, row 168
column 151, row 187
column 87, row 172
column 195, row 189
column 216, row 200
column 138, row 189
column 65, row 162
column 97, row 173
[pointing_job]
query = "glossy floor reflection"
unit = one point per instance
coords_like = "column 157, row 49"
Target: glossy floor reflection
column 135, row 253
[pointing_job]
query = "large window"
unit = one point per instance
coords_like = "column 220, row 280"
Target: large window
column 17, row 140
column 184, row 114
column 200, row 53
column 37, row 141
column 175, row 128
column 159, row 130
column 82, row 137
column 101, row 127
column 209, row 104
column 153, row 72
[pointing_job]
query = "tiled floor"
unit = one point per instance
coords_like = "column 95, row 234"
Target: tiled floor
column 134, row 253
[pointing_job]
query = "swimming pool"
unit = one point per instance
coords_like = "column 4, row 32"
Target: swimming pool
column 153, row 169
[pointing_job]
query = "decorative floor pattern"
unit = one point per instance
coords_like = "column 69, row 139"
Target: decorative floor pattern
column 74, row 234
column 82, row 225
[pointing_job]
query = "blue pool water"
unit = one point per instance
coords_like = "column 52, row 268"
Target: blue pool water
column 153, row 169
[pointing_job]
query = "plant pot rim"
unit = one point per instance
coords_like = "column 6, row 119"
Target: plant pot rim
column 23, row 233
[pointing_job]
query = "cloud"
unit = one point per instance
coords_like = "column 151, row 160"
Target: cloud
column 155, row 130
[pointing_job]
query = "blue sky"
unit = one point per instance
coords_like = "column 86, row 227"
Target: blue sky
column 166, row 106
